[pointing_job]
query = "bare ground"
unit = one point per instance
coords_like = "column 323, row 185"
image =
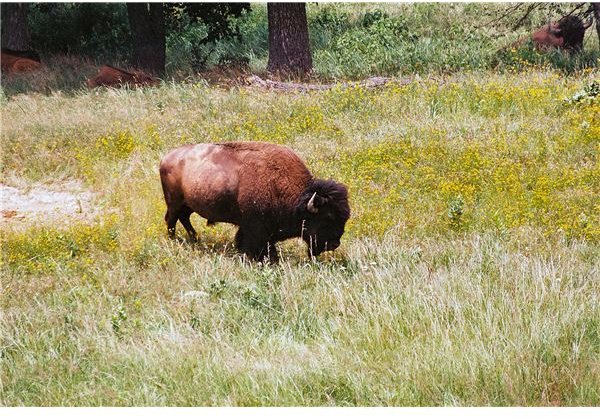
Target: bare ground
column 57, row 204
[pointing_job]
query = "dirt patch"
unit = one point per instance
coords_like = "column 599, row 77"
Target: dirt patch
column 58, row 204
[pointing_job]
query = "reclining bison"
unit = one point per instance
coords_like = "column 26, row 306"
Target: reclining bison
column 567, row 33
column 19, row 61
column 109, row 76
column 263, row 188
column 548, row 36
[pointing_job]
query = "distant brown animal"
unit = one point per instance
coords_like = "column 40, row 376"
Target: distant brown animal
column 567, row 33
column 265, row 189
column 548, row 36
column 545, row 38
column 110, row 76
column 19, row 61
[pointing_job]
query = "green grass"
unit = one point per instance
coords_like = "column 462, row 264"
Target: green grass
column 468, row 275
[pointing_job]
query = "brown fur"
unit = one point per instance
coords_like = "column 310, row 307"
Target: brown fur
column 115, row 77
column 257, row 186
column 544, row 38
column 229, row 182
column 548, row 37
column 12, row 63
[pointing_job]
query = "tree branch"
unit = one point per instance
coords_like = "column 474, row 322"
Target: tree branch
column 530, row 9
column 508, row 12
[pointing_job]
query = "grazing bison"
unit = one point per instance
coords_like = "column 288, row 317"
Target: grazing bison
column 263, row 188
column 115, row 77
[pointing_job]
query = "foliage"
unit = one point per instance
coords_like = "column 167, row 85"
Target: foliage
column 527, row 56
column 196, row 33
column 331, row 20
column 99, row 30
column 191, row 49
column 186, row 47
column 216, row 16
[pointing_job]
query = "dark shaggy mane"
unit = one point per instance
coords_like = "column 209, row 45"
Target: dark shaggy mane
column 335, row 193
column 572, row 31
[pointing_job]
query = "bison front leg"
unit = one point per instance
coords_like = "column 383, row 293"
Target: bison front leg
column 264, row 252
column 239, row 240
column 255, row 244
column 272, row 253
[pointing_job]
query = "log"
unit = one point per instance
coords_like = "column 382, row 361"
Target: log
column 372, row 82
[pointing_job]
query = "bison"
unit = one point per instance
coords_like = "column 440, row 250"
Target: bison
column 548, row 36
column 110, row 76
column 19, row 61
column 264, row 189
column 567, row 33
column 545, row 38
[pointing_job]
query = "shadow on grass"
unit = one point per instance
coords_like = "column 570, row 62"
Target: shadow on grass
column 219, row 240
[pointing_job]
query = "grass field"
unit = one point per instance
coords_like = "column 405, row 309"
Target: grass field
column 469, row 273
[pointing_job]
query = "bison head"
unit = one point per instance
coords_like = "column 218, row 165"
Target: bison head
column 323, row 208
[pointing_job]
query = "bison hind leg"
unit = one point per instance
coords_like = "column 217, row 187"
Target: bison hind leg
column 182, row 215
column 184, row 218
column 173, row 201
column 171, row 219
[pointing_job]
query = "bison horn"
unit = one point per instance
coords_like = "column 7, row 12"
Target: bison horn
column 311, row 204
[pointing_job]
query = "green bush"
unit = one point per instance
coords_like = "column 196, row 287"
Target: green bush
column 185, row 48
column 202, row 35
column 98, row 30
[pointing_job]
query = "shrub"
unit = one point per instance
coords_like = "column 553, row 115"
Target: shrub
column 98, row 30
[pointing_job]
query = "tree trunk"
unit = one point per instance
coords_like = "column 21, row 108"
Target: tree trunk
column 15, row 29
column 597, row 18
column 289, row 47
column 147, row 24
